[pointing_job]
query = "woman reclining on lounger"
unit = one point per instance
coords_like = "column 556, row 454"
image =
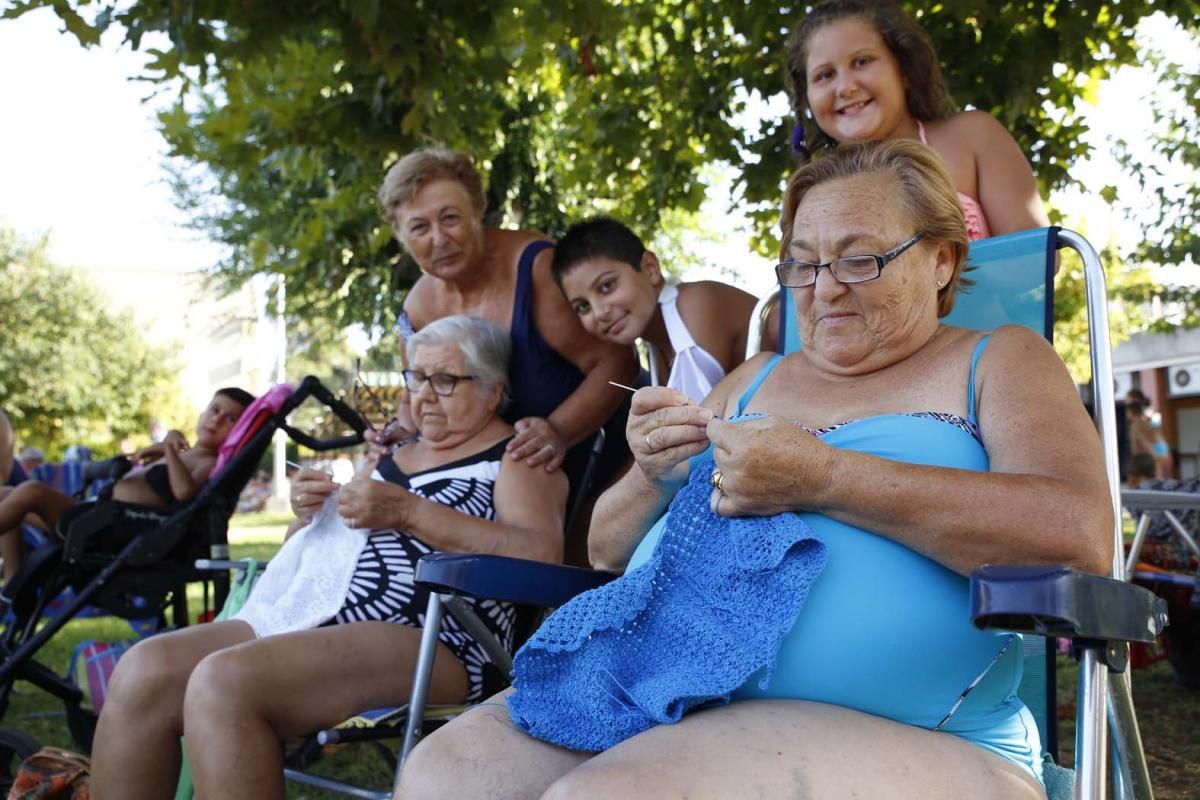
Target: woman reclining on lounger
column 168, row 473
column 825, row 509
column 296, row 659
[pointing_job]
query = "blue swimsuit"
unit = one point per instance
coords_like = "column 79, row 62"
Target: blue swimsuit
column 886, row 630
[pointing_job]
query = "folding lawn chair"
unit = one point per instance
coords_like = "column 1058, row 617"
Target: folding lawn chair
column 1013, row 284
column 1164, row 555
column 129, row 560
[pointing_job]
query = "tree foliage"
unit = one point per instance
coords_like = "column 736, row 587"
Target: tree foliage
column 72, row 372
column 1171, row 174
column 283, row 115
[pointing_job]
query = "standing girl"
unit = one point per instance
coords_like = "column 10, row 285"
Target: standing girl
column 860, row 70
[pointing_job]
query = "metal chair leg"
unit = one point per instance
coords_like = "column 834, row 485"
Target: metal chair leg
column 1131, row 774
column 1091, row 725
column 421, row 681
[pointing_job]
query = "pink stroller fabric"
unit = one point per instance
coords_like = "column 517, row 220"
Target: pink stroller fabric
column 251, row 420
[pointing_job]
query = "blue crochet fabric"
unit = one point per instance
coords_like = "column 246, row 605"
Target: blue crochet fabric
column 684, row 629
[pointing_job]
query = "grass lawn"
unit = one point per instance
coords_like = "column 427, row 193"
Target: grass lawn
column 1167, row 714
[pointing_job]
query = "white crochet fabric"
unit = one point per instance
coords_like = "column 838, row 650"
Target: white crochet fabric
column 306, row 582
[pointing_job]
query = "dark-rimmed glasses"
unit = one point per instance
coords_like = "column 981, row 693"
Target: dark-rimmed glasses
column 442, row 383
column 847, row 269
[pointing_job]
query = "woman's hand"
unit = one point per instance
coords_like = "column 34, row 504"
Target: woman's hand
column 537, row 442
column 368, row 503
column 381, row 440
column 310, row 487
column 768, row 466
column 665, row 429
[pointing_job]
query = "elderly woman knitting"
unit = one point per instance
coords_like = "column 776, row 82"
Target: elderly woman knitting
column 804, row 597
column 332, row 627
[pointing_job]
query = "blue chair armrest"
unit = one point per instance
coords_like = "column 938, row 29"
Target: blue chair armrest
column 512, row 580
column 1063, row 602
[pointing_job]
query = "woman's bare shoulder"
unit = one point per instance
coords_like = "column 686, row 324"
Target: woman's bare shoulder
column 974, row 122
column 712, row 293
column 512, row 241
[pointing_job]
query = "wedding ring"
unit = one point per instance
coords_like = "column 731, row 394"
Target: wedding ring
column 649, row 446
column 553, row 449
column 717, row 480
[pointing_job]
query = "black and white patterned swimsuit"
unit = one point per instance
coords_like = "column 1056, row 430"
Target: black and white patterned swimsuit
column 382, row 588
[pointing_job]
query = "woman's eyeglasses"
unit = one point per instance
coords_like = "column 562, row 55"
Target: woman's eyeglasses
column 442, row 383
column 849, row 269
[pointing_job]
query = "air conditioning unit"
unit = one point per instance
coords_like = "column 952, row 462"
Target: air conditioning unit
column 1183, row 380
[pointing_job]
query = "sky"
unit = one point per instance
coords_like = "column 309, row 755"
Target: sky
column 80, row 157
column 80, row 160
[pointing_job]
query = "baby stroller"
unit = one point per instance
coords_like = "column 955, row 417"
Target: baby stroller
column 132, row 561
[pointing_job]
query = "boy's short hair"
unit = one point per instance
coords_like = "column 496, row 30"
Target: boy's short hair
column 598, row 237
column 239, row 396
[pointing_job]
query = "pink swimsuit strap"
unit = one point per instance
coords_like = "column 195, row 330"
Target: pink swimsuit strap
column 977, row 224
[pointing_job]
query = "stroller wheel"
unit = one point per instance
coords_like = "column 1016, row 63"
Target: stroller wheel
column 15, row 747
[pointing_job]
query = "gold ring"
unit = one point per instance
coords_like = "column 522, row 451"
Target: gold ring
column 717, row 479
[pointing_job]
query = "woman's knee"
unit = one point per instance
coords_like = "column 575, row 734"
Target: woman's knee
column 428, row 765
column 150, row 677
column 221, row 682
column 604, row 781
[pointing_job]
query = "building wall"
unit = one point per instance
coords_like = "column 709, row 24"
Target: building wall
column 1167, row 368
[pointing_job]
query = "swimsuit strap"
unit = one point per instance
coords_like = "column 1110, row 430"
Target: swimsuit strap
column 757, row 382
column 971, row 380
column 523, row 303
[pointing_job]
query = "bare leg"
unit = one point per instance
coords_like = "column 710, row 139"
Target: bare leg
column 136, row 752
column 795, row 749
column 241, row 701
column 482, row 755
column 31, row 497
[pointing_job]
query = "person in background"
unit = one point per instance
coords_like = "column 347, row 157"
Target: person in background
column 617, row 288
column 256, row 493
column 1149, row 454
column 168, row 473
column 30, row 458
column 860, row 70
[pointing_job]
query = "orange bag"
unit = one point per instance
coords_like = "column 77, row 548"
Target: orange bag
column 52, row 774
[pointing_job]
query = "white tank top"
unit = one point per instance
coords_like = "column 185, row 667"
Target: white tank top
column 694, row 372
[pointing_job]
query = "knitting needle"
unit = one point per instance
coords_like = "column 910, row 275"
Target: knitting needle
column 299, row 466
column 631, row 389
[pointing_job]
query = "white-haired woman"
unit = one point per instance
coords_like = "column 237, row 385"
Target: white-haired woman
column 237, row 687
